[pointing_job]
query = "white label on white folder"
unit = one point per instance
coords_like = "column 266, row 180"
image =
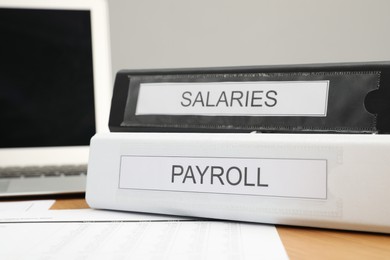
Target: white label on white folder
column 296, row 178
column 249, row 98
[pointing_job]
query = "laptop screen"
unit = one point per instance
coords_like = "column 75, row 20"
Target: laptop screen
column 46, row 78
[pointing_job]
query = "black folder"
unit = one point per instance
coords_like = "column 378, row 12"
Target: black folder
column 340, row 98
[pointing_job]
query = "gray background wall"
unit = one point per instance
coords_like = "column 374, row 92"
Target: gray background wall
column 198, row 33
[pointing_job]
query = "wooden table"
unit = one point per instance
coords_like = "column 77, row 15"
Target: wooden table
column 304, row 243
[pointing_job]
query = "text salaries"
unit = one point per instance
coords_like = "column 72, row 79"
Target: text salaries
column 255, row 98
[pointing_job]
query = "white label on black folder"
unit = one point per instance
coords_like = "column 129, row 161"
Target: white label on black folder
column 249, row 98
column 296, row 178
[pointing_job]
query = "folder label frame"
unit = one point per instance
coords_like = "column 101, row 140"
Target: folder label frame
column 274, row 177
column 248, row 98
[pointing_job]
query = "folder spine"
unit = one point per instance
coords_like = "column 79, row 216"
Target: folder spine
column 329, row 180
column 220, row 99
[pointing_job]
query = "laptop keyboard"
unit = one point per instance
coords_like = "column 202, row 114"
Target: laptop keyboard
column 46, row 171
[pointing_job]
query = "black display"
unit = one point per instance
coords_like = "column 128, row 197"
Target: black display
column 46, row 78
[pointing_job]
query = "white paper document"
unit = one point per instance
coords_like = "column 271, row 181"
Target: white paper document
column 81, row 215
column 140, row 240
column 31, row 205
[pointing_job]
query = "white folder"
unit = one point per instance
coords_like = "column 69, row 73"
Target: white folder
column 318, row 180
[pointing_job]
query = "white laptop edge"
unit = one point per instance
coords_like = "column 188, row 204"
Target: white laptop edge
column 101, row 76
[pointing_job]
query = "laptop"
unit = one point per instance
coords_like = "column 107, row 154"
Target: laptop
column 55, row 90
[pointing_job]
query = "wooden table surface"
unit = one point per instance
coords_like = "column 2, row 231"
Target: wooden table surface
column 307, row 243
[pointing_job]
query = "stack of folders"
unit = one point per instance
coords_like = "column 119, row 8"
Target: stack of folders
column 304, row 145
